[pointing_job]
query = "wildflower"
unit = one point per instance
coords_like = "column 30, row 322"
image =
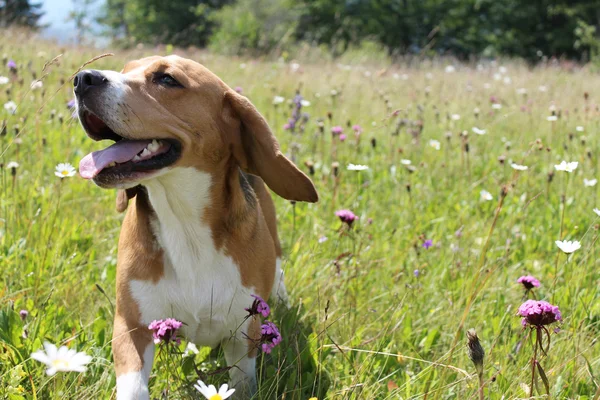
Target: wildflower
column 597, row 211
column 35, row 85
column 496, row 106
column 71, row 103
column 334, row 92
column 191, row 348
column 538, row 313
column 64, row 170
column 357, row 167
column 322, row 239
column 346, row 216
column 278, row 100
column 12, row 65
column 568, row 246
column 567, row 167
column 449, row 69
column 479, row 131
column 12, row 165
column 337, row 130
column 507, row 80
column 357, row 129
column 259, row 306
column 579, row 129
column 210, row 392
column 61, row 359
column 270, row 336
column 522, row 91
column 427, row 243
column 542, row 88
column 305, row 103
column 238, row 89
column 476, row 352
column 455, row 117
column 529, row 282
column 10, row 106
column 552, row 118
column 23, row 314
column 435, row 144
column 165, row 330
column 485, row 195
column 342, row 137
column 589, row 182
column 416, row 273
column 519, row 167
column 405, row 162
column 4, row 80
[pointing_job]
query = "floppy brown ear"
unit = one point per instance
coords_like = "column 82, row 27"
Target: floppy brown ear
column 123, row 197
column 260, row 155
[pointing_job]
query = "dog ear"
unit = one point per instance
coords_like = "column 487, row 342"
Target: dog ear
column 257, row 152
column 123, row 197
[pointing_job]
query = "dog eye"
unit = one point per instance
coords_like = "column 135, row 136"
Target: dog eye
column 167, row 80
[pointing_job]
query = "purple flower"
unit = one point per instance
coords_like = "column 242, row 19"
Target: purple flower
column 342, row 137
column 357, row 129
column 12, row 65
column 528, row 281
column 428, row 243
column 238, row 89
column 23, row 314
column 346, row 216
column 322, row 239
column 337, row 130
column 538, row 313
column 270, row 336
column 259, row 306
column 165, row 330
column 416, row 272
column 71, row 104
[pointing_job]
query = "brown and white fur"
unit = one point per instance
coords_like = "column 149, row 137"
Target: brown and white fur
column 199, row 236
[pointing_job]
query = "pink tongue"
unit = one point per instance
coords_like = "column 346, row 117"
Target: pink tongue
column 120, row 152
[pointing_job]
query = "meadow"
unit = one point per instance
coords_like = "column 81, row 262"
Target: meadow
column 380, row 309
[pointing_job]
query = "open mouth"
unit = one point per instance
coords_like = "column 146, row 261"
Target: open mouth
column 126, row 159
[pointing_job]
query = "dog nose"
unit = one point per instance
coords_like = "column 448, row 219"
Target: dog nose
column 87, row 79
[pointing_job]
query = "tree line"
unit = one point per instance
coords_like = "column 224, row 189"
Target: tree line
column 530, row 29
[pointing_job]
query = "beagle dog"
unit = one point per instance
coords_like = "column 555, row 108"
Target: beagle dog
column 199, row 237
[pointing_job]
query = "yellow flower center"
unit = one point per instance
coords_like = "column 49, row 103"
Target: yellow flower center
column 215, row 397
column 60, row 364
column 65, row 172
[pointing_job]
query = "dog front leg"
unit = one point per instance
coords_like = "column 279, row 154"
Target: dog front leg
column 240, row 353
column 133, row 352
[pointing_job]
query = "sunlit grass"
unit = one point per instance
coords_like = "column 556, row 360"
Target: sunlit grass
column 373, row 310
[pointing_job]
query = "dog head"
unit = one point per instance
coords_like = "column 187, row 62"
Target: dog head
column 169, row 112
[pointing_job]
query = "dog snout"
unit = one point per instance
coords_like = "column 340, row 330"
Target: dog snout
column 87, row 79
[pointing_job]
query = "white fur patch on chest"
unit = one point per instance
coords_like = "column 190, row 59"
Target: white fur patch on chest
column 201, row 286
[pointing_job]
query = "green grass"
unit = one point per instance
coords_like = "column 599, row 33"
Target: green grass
column 362, row 325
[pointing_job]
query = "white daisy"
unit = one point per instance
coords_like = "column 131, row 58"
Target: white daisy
column 552, row 118
column 35, row 85
column 356, row 167
column 61, row 359
column 64, row 170
column 190, row 348
column 496, row 106
column 210, row 392
column 333, row 92
column 278, row 100
column 479, row 131
column 485, row 195
column 10, row 106
column 568, row 246
column 519, row 167
column 305, row 103
column 589, row 182
column 597, row 212
column 404, row 161
column 579, row 128
column 455, row 117
column 12, row 164
column 4, row 80
column 435, row 144
column 567, row 167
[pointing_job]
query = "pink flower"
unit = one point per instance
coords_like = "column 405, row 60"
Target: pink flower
column 259, row 306
column 337, row 130
column 357, row 128
column 270, row 336
column 538, row 313
column 346, row 216
column 239, row 89
column 529, row 282
column 165, row 330
column 342, row 137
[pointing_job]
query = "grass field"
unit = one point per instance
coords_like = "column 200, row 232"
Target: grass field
column 376, row 313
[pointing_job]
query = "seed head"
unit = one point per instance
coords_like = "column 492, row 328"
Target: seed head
column 476, row 352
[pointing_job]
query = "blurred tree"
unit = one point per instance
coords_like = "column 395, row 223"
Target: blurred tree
column 80, row 16
column 20, row 12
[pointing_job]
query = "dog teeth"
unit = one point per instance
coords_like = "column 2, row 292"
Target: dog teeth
column 112, row 164
column 145, row 153
column 136, row 158
column 154, row 146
